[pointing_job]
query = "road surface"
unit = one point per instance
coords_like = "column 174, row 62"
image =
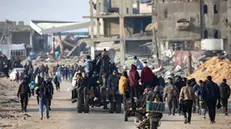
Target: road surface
column 65, row 116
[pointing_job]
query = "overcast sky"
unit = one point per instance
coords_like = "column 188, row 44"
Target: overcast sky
column 60, row 10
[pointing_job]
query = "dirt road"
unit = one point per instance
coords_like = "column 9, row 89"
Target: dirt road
column 65, row 116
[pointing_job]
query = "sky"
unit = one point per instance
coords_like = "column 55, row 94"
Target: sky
column 55, row 10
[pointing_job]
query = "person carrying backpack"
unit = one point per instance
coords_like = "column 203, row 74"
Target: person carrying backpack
column 88, row 66
column 44, row 96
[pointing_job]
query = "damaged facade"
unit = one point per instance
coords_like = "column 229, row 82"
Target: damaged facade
column 182, row 24
column 122, row 24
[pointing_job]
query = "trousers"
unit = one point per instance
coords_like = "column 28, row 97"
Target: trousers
column 187, row 110
column 43, row 102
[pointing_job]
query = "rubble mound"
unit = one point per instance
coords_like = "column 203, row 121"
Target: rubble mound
column 217, row 68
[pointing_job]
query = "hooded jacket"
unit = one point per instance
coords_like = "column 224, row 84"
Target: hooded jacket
column 146, row 75
column 134, row 76
column 123, row 84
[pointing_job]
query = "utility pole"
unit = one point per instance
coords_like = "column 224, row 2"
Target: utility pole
column 92, row 29
column 154, row 31
column 122, row 42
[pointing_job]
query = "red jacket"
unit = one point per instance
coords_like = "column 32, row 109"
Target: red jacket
column 133, row 76
column 146, row 75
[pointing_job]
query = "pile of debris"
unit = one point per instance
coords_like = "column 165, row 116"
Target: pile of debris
column 216, row 67
column 8, row 95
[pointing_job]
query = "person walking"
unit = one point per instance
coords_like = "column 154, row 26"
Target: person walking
column 188, row 96
column 44, row 96
column 57, row 81
column 211, row 94
column 225, row 94
column 24, row 94
column 202, row 102
column 171, row 93
column 196, row 87
column 50, row 85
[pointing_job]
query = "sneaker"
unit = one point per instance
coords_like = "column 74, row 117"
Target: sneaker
column 185, row 121
column 204, row 117
column 41, row 118
column 135, row 98
column 95, row 99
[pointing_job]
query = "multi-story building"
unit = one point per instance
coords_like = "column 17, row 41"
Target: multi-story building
column 122, row 23
column 181, row 24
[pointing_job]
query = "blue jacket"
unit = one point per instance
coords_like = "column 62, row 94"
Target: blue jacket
column 86, row 65
column 211, row 91
column 139, row 64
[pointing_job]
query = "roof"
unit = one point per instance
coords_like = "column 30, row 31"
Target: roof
column 50, row 27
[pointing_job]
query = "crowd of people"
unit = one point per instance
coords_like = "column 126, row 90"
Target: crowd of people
column 181, row 95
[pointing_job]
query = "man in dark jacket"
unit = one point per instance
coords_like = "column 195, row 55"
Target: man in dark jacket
column 50, row 85
column 44, row 97
column 104, row 63
column 225, row 94
column 134, row 81
column 113, row 83
column 179, row 84
column 24, row 94
column 211, row 95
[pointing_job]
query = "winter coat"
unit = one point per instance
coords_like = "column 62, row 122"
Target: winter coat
column 24, row 89
column 211, row 91
column 171, row 91
column 86, row 65
column 113, row 81
column 123, row 84
column 45, row 91
column 134, row 76
column 139, row 64
column 146, row 75
column 224, row 90
column 187, row 93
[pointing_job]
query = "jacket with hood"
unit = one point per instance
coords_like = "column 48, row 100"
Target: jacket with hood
column 224, row 90
column 146, row 75
column 134, row 76
column 123, row 84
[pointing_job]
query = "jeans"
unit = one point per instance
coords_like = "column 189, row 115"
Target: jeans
column 203, row 108
column 43, row 102
column 188, row 104
column 212, row 109
column 134, row 91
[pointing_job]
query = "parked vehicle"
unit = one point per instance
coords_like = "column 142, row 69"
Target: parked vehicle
column 14, row 72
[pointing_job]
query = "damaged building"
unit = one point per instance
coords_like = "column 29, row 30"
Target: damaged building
column 182, row 24
column 121, row 26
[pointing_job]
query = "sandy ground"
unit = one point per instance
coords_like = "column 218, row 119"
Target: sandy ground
column 65, row 116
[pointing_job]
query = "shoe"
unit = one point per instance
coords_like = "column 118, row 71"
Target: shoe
column 41, row 118
column 226, row 114
column 95, row 99
column 204, row 117
column 135, row 98
column 185, row 121
column 48, row 117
